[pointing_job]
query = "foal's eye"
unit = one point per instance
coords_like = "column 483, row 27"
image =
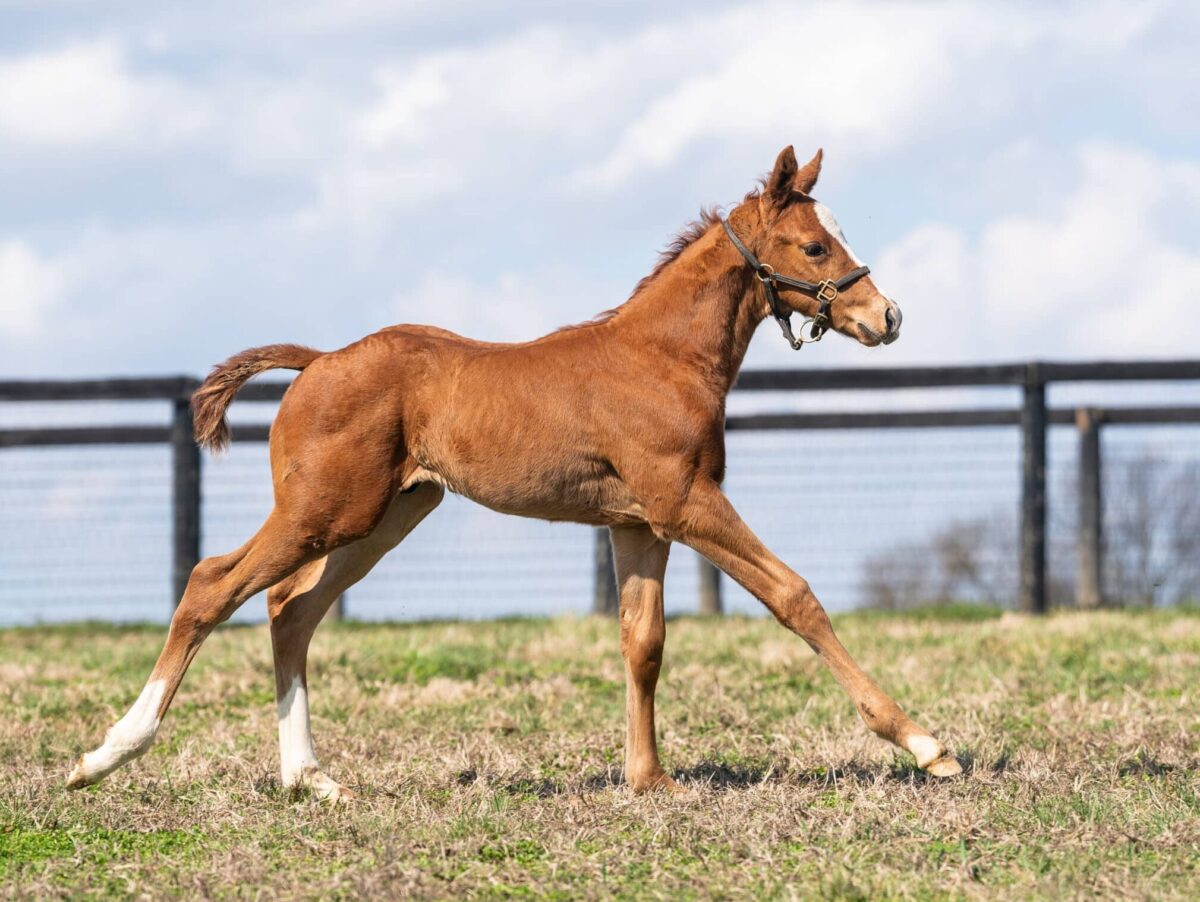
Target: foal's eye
column 814, row 249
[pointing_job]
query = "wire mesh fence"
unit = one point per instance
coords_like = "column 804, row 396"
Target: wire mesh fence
column 883, row 517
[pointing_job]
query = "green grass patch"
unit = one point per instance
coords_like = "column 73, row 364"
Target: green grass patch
column 487, row 762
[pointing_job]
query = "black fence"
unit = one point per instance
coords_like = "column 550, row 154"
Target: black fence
column 1031, row 415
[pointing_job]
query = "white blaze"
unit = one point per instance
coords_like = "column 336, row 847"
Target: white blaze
column 295, row 735
column 825, row 217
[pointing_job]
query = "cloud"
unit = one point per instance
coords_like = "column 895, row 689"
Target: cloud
column 741, row 87
column 407, row 99
column 512, row 307
column 29, row 288
column 572, row 112
column 366, row 195
column 849, row 79
column 317, row 168
column 86, row 94
column 1110, row 266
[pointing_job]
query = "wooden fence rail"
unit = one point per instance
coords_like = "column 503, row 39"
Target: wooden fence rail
column 1033, row 417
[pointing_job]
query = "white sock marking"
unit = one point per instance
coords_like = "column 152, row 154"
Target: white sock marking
column 295, row 735
column 925, row 749
column 130, row 736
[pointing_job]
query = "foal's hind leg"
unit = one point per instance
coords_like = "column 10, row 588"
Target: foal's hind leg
column 711, row 526
column 641, row 560
column 296, row 607
column 217, row 587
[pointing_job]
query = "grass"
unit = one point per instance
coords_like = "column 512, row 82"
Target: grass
column 487, row 759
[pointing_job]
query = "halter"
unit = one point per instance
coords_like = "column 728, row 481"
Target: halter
column 825, row 291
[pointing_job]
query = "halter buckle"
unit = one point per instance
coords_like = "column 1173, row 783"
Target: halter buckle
column 765, row 273
column 827, row 291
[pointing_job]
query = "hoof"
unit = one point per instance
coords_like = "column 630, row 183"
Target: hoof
column 945, row 766
column 932, row 756
column 325, row 788
column 334, row 793
column 79, row 777
column 658, row 783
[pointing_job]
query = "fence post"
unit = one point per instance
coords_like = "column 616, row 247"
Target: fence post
column 185, row 494
column 710, row 588
column 1033, row 493
column 605, row 599
column 1089, row 587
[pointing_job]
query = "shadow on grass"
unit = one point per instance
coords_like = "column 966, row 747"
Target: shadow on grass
column 711, row 776
column 1144, row 766
column 722, row 777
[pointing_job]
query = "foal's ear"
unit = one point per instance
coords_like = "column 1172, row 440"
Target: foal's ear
column 806, row 178
column 787, row 176
column 779, row 182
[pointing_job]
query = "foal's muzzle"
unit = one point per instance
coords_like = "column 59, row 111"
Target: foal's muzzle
column 893, row 318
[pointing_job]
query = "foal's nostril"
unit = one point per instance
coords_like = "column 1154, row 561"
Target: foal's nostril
column 890, row 319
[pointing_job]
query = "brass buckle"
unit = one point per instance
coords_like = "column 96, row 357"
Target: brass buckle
column 827, row 291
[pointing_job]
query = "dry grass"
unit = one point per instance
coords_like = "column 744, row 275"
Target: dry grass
column 487, row 757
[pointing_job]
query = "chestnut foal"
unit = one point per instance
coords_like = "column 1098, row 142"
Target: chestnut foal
column 618, row 422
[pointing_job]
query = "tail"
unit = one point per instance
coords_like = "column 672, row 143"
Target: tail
column 213, row 398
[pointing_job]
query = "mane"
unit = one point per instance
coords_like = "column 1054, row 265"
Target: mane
column 686, row 237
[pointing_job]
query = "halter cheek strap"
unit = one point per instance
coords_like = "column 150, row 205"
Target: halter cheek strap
column 825, row 292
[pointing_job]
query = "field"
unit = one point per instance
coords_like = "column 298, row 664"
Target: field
column 487, row 760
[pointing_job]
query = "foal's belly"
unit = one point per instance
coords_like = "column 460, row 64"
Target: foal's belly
column 573, row 491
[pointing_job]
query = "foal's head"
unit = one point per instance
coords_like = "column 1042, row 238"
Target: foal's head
column 802, row 239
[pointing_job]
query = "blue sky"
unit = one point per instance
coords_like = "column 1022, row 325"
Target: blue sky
column 181, row 181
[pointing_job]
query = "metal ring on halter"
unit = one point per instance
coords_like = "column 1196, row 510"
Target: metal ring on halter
column 765, row 273
column 815, row 332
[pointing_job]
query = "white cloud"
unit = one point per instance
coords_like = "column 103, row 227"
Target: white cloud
column 407, row 99
column 29, row 287
column 340, row 159
column 1109, row 269
column 511, row 308
column 491, row 114
column 365, row 194
column 85, row 94
column 863, row 86
column 843, row 71
column 554, row 108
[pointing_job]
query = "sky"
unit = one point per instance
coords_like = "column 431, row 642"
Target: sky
column 180, row 181
column 183, row 180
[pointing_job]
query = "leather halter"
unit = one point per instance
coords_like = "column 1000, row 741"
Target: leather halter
column 825, row 292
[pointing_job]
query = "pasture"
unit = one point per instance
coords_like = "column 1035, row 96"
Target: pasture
column 486, row 757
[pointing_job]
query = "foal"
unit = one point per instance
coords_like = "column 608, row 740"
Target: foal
column 618, row 422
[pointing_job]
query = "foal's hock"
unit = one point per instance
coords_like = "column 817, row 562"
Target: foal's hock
column 617, row 422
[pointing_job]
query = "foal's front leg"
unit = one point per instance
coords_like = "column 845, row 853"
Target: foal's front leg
column 641, row 559
column 710, row 525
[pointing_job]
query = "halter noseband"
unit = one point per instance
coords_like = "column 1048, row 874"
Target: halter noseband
column 825, row 292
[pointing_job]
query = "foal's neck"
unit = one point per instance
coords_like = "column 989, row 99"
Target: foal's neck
column 701, row 310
